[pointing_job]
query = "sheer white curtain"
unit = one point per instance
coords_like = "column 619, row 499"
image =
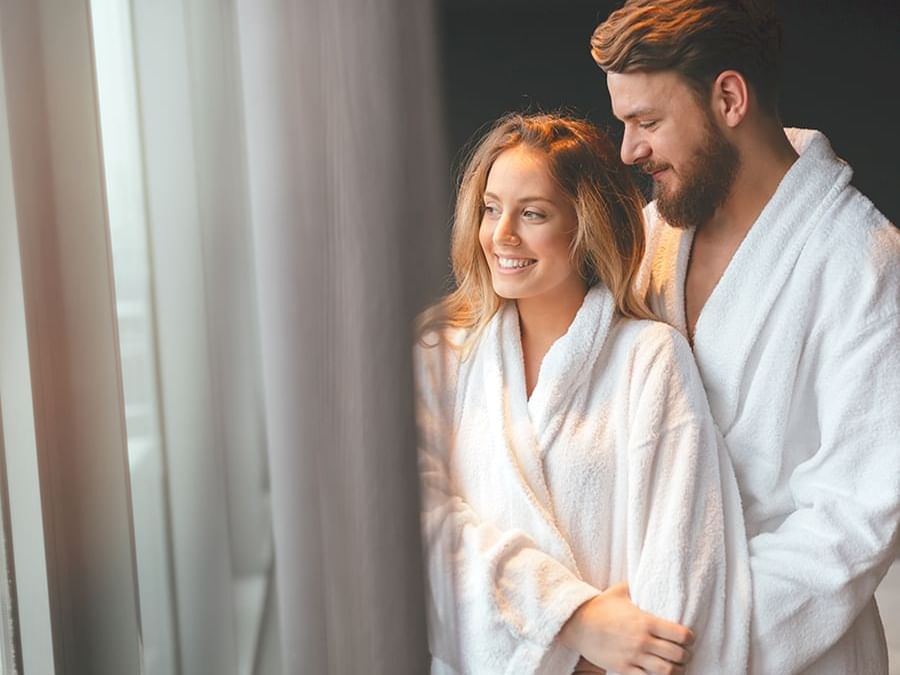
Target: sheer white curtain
column 346, row 180
column 291, row 181
column 63, row 414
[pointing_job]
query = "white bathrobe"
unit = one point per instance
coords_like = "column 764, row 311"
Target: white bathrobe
column 610, row 472
column 799, row 350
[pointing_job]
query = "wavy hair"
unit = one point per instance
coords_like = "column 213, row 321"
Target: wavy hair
column 697, row 39
column 609, row 240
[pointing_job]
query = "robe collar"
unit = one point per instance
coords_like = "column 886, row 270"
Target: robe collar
column 523, row 428
column 733, row 317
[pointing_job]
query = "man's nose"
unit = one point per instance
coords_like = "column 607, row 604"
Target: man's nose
column 634, row 148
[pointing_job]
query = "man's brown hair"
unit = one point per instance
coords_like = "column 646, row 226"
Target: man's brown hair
column 697, row 39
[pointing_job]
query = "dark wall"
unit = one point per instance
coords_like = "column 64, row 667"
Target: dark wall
column 841, row 73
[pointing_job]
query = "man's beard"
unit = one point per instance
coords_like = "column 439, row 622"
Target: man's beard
column 705, row 183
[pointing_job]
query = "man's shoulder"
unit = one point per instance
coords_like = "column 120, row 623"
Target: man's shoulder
column 855, row 243
column 851, row 263
column 852, row 218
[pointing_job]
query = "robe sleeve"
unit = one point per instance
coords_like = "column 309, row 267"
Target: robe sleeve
column 495, row 599
column 687, row 549
column 814, row 573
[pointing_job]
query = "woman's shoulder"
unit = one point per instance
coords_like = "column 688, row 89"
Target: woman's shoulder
column 436, row 341
column 646, row 339
column 438, row 357
column 439, row 350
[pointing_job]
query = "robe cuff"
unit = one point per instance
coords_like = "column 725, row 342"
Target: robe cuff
column 543, row 652
column 566, row 598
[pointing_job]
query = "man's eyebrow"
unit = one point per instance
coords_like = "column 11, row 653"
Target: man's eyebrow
column 639, row 112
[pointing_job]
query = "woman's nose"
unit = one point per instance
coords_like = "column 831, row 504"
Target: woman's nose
column 505, row 231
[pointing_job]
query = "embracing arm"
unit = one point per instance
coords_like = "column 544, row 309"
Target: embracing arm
column 814, row 574
column 687, row 549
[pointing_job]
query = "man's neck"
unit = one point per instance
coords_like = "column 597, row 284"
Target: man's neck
column 765, row 159
column 764, row 162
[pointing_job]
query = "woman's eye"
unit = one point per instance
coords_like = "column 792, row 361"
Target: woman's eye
column 532, row 215
column 491, row 210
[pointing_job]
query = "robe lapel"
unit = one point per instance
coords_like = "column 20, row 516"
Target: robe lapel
column 568, row 365
column 733, row 318
column 511, row 425
column 670, row 251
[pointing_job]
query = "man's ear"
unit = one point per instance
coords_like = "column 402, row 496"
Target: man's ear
column 730, row 97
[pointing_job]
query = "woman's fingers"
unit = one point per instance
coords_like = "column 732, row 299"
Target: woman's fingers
column 657, row 666
column 669, row 651
column 612, row 631
column 673, row 632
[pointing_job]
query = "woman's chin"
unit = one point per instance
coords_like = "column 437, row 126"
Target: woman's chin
column 508, row 291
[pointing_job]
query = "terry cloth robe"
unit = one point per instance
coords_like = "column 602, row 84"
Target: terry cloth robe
column 610, row 472
column 799, row 350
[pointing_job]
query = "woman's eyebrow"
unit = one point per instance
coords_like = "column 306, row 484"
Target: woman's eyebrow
column 521, row 200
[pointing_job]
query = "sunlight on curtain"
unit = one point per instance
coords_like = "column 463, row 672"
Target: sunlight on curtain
column 187, row 332
column 285, row 156
column 128, row 233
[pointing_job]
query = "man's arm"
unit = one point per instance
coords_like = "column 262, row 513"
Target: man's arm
column 814, row 574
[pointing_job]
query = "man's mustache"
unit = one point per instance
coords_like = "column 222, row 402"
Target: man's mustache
column 650, row 167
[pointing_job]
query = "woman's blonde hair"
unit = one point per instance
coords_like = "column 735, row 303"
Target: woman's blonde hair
column 609, row 241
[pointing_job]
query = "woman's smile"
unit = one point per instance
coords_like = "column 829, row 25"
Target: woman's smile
column 506, row 265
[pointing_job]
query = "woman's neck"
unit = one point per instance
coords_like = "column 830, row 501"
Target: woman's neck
column 542, row 321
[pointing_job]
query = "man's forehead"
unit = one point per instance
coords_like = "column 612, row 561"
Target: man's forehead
column 638, row 94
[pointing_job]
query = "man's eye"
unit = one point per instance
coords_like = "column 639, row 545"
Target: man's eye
column 648, row 125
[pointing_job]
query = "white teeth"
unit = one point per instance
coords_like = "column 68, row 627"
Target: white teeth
column 514, row 263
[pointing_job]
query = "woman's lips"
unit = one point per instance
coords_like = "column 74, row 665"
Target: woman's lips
column 513, row 265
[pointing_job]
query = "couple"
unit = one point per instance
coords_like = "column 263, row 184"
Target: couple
column 601, row 495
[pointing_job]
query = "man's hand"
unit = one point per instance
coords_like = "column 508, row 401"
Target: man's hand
column 585, row 667
column 610, row 631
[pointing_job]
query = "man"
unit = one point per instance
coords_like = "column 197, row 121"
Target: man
column 787, row 282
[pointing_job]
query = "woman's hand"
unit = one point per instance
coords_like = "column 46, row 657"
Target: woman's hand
column 611, row 631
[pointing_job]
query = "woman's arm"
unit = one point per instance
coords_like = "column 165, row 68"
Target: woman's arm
column 496, row 589
column 496, row 599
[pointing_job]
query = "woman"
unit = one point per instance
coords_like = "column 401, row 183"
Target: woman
column 567, row 452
